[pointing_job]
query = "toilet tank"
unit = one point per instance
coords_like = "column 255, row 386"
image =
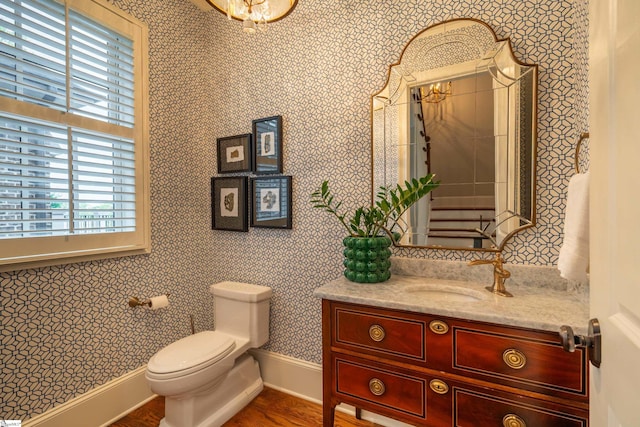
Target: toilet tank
column 242, row 309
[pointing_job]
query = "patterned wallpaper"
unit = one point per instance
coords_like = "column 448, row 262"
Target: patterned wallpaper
column 68, row 329
column 580, row 63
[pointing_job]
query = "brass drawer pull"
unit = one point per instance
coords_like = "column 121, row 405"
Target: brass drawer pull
column 514, row 358
column 376, row 386
column 438, row 327
column 439, row 386
column 512, row 420
column 376, row 332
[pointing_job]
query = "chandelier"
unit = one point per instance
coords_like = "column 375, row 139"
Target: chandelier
column 254, row 14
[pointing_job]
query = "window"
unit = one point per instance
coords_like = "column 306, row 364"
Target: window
column 73, row 132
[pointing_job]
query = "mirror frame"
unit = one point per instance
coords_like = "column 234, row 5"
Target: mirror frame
column 534, row 137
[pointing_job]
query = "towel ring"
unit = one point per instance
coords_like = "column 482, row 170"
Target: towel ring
column 583, row 136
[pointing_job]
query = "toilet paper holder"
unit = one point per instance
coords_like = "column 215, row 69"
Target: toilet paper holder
column 135, row 301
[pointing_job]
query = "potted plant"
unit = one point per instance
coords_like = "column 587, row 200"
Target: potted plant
column 371, row 230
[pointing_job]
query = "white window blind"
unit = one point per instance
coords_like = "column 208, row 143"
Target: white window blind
column 72, row 130
column 32, row 63
column 101, row 72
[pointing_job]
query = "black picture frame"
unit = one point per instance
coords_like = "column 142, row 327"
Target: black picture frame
column 271, row 202
column 267, row 138
column 235, row 153
column 229, row 203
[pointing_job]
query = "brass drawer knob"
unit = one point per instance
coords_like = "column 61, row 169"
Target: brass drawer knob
column 439, row 386
column 512, row 420
column 376, row 386
column 376, row 332
column 514, row 358
column 438, row 327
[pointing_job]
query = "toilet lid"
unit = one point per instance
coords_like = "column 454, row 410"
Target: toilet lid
column 203, row 348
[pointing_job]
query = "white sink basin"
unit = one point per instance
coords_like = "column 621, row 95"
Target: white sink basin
column 446, row 293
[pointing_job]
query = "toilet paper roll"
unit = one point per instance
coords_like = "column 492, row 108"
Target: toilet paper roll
column 161, row 301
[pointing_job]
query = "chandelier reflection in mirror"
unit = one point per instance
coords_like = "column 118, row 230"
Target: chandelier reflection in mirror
column 254, row 14
column 435, row 93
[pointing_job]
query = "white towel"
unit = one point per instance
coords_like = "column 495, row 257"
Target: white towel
column 573, row 261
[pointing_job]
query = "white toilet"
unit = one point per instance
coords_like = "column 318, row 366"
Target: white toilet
column 208, row 377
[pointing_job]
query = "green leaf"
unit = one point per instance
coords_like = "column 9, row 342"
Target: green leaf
column 385, row 211
column 394, row 198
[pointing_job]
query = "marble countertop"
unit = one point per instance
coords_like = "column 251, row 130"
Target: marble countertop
column 543, row 308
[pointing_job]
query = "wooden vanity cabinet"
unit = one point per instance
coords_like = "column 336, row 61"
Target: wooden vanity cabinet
column 437, row 371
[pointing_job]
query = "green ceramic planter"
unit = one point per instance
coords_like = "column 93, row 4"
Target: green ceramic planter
column 366, row 259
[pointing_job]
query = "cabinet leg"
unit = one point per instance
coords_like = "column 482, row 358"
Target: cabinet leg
column 328, row 414
column 358, row 414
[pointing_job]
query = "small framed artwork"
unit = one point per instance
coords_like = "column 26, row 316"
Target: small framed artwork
column 271, row 202
column 229, row 203
column 235, row 154
column 267, row 135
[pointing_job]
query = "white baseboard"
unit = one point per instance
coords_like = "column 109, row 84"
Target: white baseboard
column 99, row 407
column 304, row 379
column 109, row 402
column 290, row 375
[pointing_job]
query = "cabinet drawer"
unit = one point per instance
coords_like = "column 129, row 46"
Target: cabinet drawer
column 472, row 409
column 391, row 392
column 530, row 363
column 400, row 336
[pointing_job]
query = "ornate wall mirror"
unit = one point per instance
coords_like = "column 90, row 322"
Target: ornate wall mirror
column 460, row 105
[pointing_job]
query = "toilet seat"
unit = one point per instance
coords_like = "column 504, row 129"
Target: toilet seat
column 190, row 354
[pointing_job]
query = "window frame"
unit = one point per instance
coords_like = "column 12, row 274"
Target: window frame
column 31, row 252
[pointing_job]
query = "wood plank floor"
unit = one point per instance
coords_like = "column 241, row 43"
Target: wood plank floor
column 270, row 409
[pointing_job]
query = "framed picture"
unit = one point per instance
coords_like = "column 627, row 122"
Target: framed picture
column 271, row 202
column 267, row 135
column 229, row 203
column 235, row 154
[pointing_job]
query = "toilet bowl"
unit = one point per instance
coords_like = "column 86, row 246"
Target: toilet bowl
column 208, row 377
column 191, row 363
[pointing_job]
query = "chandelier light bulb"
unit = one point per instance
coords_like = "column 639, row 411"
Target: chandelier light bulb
column 262, row 25
column 231, row 9
column 249, row 26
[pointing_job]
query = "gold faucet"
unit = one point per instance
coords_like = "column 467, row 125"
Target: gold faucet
column 499, row 274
